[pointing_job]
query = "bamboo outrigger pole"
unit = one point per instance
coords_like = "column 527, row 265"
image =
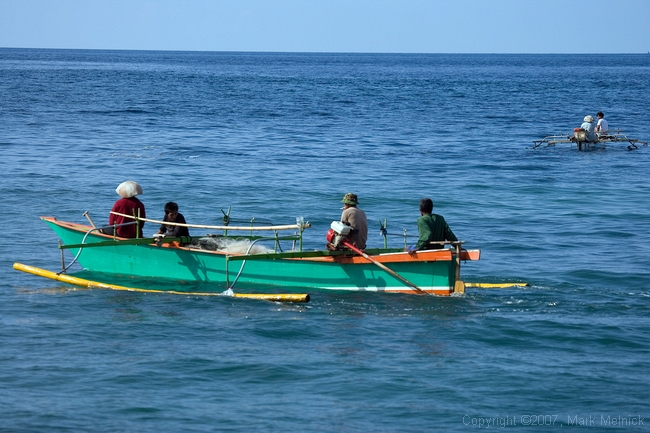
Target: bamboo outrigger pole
column 280, row 297
column 495, row 285
column 198, row 226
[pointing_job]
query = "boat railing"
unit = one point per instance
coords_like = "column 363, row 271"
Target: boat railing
column 227, row 219
column 383, row 230
column 404, row 235
column 300, row 226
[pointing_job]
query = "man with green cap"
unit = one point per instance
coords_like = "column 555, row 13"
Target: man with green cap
column 355, row 218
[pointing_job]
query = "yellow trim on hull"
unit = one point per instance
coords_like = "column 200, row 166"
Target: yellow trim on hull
column 281, row 297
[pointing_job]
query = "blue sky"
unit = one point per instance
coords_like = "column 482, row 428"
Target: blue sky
column 379, row 26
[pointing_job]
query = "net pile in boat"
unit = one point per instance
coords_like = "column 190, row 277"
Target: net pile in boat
column 229, row 245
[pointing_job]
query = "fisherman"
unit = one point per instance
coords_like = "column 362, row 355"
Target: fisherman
column 602, row 126
column 355, row 218
column 431, row 228
column 172, row 215
column 589, row 127
column 128, row 205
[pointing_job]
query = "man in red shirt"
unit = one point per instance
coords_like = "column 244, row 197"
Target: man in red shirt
column 129, row 205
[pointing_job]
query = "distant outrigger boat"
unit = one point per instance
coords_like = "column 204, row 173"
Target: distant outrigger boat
column 580, row 139
column 180, row 259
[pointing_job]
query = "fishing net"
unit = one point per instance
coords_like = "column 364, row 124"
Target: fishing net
column 229, row 245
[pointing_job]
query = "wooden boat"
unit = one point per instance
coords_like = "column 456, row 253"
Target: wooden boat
column 182, row 259
column 580, row 139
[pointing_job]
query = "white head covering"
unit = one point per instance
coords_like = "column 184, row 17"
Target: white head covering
column 128, row 189
column 589, row 119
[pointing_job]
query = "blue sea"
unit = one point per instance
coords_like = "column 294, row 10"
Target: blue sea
column 279, row 136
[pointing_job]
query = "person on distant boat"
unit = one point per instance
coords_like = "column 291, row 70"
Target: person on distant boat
column 602, row 126
column 431, row 228
column 355, row 218
column 128, row 205
column 590, row 128
column 172, row 215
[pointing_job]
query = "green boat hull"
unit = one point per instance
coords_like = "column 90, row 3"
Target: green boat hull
column 294, row 274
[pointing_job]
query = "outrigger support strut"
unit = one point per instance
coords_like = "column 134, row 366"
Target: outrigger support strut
column 615, row 137
column 241, row 268
column 459, row 286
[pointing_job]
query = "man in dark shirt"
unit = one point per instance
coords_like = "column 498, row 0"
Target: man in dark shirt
column 172, row 215
column 431, row 228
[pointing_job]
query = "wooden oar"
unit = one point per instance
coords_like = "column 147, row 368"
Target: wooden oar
column 381, row 265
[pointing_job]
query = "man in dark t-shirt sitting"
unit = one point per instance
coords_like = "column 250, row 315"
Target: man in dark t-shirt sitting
column 431, row 228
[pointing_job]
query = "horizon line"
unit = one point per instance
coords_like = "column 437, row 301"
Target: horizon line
column 316, row 52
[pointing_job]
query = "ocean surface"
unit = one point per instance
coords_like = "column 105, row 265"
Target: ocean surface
column 277, row 136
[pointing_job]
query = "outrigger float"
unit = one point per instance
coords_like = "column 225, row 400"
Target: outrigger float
column 432, row 272
column 580, row 139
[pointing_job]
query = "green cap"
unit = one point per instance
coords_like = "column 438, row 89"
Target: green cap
column 350, row 198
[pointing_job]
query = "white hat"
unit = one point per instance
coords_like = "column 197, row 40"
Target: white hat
column 589, row 119
column 128, row 189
